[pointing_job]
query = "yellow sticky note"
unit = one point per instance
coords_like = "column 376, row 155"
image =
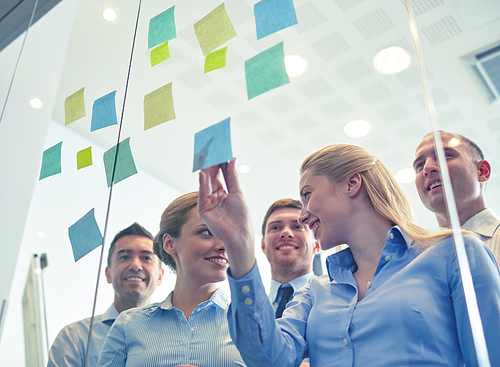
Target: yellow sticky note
column 74, row 107
column 159, row 54
column 158, row 107
column 215, row 60
column 84, row 158
column 214, row 29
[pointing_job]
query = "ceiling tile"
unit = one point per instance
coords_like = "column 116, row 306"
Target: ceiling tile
column 346, row 5
column 330, row 45
column 337, row 109
column 494, row 125
column 271, row 137
column 354, row 70
column 308, row 17
column 410, row 78
column 441, row 30
column 194, row 78
column 238, row 11
column 248, row 119
column 451, row 118
column 423, row 6
column 315, row 88
column 222, row 99
column 303, row 124
column 280, row 104
column 394, row 113
column 373, row 24
column 375, row 93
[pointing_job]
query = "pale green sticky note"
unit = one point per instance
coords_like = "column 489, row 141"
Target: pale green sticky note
column 74, row 107
column 84, row 158
column 159, row 54
column 158, row 106
column 215, row 60
column 51, row 161
column 214, row 29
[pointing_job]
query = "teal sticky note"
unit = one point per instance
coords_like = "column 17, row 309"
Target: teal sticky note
column 85, row 235
column 266, row 71
column 273, row 15
column 51, row 161
column 212, row 145
column 162, row 28
column 104, row 112
column 125, row 166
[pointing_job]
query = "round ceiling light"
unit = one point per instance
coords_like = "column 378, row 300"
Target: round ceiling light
column 405, row 175
column 36, row 103
column 295, row 65
column 391, row 60
column 357, row 128
column 109, row 15
column 244, row 168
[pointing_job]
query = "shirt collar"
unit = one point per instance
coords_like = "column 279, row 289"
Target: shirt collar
column 484, row 223
column 110, row 315
column 219, row 299
column 296, row 284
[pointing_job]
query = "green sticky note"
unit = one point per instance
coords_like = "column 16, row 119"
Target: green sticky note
column 51, row 161
column 125, row 166
column 266, row 71
column 159, row 54
column 74, row 107
column 214, row 29
column 215, row 60
column 84, row 158
column 162, row 28
column 158, row 106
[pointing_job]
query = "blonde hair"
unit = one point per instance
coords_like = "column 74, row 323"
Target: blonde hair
column 340, row 161
column 172, row 221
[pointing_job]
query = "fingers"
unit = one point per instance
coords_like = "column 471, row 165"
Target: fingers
column 233, row 185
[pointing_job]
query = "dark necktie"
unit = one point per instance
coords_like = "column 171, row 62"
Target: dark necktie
column 285, row 292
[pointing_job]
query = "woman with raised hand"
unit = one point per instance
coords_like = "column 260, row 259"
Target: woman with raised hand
column 394, row 297
column 190, row 327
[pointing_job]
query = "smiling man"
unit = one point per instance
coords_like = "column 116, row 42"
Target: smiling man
column 469, row 173
column 134, row 271
column 290, row 248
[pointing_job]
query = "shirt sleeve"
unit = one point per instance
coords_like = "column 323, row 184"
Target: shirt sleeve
column 114, row 351
column 486, row 279
column 260, row 338
column 67, row 350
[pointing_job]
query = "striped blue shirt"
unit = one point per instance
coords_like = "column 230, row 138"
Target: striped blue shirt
column 160, row 335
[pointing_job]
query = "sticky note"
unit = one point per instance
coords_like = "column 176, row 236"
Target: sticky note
column 104, row 112
column 159, row 54
column 84, row 158
column 214, row 29
column 74, row 107
column 162, row 28
column 215, row 60
column 84, row 235
column 51, row 161
column 158, row 106
column 212, row 145
column 125, row 166
column 273, row 15
column 266, row 71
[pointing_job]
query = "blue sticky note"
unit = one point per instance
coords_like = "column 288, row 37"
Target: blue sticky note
column 125, row 166
column 85, row 235
column 273, row 16
column 103, row 112
column 212, row 145
column 266, row 71
column 162, row 28
column 51, row 161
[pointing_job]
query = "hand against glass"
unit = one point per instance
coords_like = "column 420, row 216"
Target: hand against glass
column 226, row 215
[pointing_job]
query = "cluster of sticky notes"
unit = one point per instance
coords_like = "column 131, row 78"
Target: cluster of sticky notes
column 273, row 15
column 212, row 145
column 161, row 30
column 85, row 235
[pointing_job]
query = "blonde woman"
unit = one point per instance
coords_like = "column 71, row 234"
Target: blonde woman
column 190, row 327
column 393, row 298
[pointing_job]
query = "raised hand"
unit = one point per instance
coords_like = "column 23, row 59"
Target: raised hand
column 226, row 215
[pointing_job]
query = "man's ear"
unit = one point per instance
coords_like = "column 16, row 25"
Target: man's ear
column 316, row 247
column 108, row 275
column 354, row 184
column 168, row 244
column 160, row 277
column 263, row 245
column 484, row 170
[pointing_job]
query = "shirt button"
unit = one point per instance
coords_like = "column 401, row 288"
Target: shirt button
column 387, row 258
column 192, row 329
column 391, row 236
column 345, row 341
column 369, row 284
column 248, row 301
column 245, row 289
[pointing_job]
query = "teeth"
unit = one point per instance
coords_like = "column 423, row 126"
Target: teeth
column 435, row 184
column 134, row 279
column 287, row 247
column 218, row 260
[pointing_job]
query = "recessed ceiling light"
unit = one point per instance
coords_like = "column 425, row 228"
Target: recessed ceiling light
column 391, row 60
column 295, row 65
column 405, row 175
column 244, row 168
column 36, row 103
column 109, row 15
column 357, row 128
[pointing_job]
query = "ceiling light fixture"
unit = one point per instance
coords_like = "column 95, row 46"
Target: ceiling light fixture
column 357, row 128
column 244, row 168
column 36, row 103
column 109, row 15
column 405, row 175
column 391, row 60
column 295, row 65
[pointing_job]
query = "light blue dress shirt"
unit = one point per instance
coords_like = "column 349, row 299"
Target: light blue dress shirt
column 71, row 342
column 160, row 335
column 296, row 284
column 413, row 313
